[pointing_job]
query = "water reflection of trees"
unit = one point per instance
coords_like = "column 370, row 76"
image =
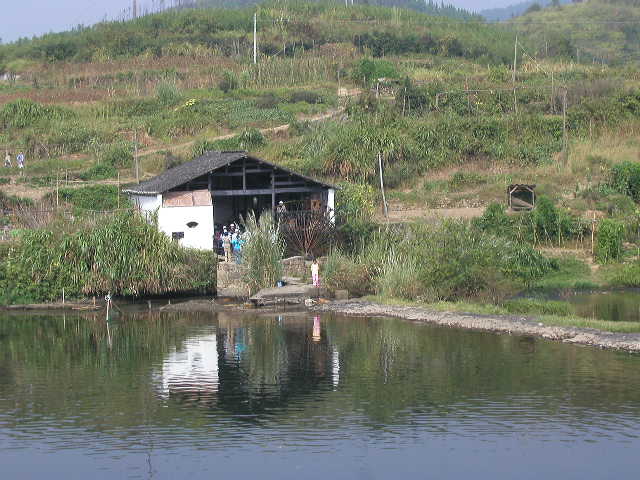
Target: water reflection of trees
column 294, row 368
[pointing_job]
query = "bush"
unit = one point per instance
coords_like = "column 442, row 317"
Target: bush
column 262, row 252
column 118, row 155
column 99, row 171
column 609, row 244
column 369, row 70
column 450, row 261
column 168, row 94
column 306, row 96
column 91, row 197
column 123, row 255
column 344, row 272
column 228, row 82
column 625, row 179
column 24, row 113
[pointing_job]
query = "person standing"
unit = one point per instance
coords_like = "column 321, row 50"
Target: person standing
column 7, row 160
column 20, row 160
column 315, row 273
column 226, row 244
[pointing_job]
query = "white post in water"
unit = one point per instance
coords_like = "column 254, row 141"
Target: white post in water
column 255, row 38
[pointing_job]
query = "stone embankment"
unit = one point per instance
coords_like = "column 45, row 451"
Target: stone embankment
column 500, row 324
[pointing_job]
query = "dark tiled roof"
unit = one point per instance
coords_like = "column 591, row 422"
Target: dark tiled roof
column 208, row 162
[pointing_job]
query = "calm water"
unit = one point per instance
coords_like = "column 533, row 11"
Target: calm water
column 290, row 397
column 615, row 305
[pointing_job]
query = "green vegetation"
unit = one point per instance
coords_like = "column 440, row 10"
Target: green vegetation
column 604, row 30
column 262, row 251
column 610, row 236
column 547, row 313
column 448, row 261
column 122, row 254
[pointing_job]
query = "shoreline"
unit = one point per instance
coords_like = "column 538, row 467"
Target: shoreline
column 512, row 325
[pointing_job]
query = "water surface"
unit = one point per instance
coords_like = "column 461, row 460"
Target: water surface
column 297, row 396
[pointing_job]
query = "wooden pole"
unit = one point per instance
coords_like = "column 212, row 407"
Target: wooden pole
column 593, row 229
column 565, row 134
column 515, row 57
column 384, row 199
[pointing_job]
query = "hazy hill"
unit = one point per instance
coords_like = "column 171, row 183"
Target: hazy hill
column 597, row 30
column 506, row 13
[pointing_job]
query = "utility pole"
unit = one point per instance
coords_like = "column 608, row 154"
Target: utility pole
column 513, row 77
column 135, row 9
column 255, row 38
column 135, row 154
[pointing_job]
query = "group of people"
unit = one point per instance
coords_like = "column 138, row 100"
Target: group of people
column 19, row 160
column 230, row 241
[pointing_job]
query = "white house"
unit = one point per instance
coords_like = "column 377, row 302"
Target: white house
column 194, row 200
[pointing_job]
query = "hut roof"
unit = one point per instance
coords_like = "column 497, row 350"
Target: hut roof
column 202, row 165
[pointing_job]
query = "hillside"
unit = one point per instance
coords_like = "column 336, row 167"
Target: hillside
column 284, row 28
column 501, row 14
column 598, row 30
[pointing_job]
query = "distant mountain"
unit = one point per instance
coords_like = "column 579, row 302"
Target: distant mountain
column 515, row 10
column 606, row 31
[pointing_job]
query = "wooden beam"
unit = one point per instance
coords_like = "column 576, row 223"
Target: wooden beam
column 264, row 191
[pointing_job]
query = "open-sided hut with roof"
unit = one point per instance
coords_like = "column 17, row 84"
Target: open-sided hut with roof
column 198, row 198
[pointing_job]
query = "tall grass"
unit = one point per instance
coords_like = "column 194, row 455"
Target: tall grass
column 121, row 254
column 263, row 251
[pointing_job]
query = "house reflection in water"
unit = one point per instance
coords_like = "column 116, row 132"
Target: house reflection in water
column 192, row 371
column 251, row 365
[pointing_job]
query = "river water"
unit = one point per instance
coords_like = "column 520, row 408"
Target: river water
column 297, row 396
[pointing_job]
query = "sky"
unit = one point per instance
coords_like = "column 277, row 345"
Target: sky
column 25, row 18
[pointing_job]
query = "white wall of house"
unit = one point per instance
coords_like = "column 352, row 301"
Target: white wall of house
column 175, row 219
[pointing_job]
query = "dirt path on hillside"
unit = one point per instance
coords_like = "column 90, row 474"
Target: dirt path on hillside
column 413, row 214
column 265, row 131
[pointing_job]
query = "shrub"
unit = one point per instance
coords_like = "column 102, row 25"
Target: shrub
column 306, row 96
column 368, row 70
column 228, row 82
column 119, row 155
column 263, row 251
column 625, row 179
column 609, row 245
column 24, row 113
column 91, row 197
column 344, row 272
column 99, row 171
column 168, row 94
column 123, row 255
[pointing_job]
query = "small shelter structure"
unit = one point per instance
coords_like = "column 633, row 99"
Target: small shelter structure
column 521, row 196
column 195, row 200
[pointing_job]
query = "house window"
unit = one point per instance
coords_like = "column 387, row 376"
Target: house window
column 192, row 224
column 177, row 236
